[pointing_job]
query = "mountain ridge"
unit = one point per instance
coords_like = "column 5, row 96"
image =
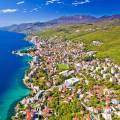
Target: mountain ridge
column 63, row 20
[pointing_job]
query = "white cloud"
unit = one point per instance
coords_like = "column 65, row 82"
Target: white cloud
column 8, row 10
column 21, row 2
column 35, row 9
column 53, row 1
column 24, row 10
column 76, row 3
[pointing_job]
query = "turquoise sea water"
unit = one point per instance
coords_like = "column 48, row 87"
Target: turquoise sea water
column 12, row 70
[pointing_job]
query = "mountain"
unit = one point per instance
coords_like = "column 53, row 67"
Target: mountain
column 110, row 17
column 74, row 19
column 64, row 20
column 28, row 27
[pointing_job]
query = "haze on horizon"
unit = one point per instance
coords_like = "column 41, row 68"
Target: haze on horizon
column 23, row 11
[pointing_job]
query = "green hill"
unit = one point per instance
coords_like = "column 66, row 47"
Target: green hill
column 107, row 32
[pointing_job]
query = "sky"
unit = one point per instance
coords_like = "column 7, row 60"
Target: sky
column 24, row 11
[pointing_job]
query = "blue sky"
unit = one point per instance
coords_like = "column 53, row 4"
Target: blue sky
column 22, row 11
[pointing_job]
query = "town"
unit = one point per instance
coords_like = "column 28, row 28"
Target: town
column 68, row 82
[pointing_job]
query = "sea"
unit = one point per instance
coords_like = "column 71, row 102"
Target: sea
column 12, row 71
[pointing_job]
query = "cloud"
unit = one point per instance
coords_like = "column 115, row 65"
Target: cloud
column 34, row 10
column 21, row 2
column 53, row 1
column 76, row 3
column 8, row 10
column 24, row 10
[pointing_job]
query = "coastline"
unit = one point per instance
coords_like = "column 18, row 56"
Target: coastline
column 12, row 71
column 11, row 112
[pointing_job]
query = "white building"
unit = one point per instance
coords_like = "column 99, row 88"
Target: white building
column 35, row 59
column 71, row 82
column 66, row 73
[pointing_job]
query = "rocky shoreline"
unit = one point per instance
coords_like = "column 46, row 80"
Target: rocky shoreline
column 22, row 53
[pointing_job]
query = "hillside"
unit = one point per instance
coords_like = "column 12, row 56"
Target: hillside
column 106, row 32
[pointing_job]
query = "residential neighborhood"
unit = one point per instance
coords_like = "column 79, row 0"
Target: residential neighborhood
column 65, row 79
